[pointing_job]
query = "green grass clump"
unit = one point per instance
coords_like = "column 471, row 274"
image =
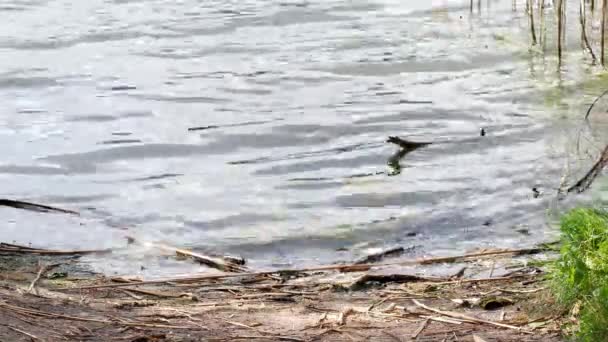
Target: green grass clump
column 581, row 272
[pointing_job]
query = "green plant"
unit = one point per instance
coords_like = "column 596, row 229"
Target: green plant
column 581, row 272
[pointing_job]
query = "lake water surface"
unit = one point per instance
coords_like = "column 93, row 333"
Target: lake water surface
column 293, row 101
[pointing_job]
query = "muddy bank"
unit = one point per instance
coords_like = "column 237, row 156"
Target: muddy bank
column 489, row 298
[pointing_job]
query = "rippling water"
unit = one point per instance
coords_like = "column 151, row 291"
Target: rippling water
column 292, row 102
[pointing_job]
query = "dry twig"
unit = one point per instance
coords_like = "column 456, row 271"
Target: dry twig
column 467, row 318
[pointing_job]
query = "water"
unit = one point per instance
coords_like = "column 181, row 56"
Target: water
column 295, row 100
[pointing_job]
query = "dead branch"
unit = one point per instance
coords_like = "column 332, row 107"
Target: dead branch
column 376, row 257
column 10, row 248
column 222, row 264
column 392, row 278
column 34, row 207
column 593, row 104
column 584, row 183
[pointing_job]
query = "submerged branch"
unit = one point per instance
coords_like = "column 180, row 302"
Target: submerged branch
column 33, row 206
column 584, row 183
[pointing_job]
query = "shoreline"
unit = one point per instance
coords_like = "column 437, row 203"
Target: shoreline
column 489, row 298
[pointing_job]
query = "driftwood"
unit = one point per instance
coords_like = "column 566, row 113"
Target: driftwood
column 34, row 207
column 405, row 147
column 343, row 268
column 376, row 257
column 228, row 264
column 16, row 249
column 391, row 278
column 406, row 144
column 202, row 128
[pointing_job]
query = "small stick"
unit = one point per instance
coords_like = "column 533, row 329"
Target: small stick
column 282, row 338
column 156, row 294
column 33, row 337
column 492, row 268
column 468, row 318
column 445, row 320
column 216, row 263
column 420, row 328
column 521, row 291
column 41, row 271
column 51, row 252
column 343, row 314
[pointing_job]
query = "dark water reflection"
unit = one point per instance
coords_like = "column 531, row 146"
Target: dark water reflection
column 292, row 104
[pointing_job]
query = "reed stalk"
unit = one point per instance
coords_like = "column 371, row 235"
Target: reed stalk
column 531, row 16
column 585, row 40
column 603, row 31
column 560, row 6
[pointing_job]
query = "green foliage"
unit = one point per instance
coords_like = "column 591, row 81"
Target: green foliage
column 581, row 272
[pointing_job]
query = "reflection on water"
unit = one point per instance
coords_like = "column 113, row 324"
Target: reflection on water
column 259, row 127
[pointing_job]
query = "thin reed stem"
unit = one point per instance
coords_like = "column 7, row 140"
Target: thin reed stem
column 560, row 6
column 603, row 30
column 583, row 14
column 531, row 16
